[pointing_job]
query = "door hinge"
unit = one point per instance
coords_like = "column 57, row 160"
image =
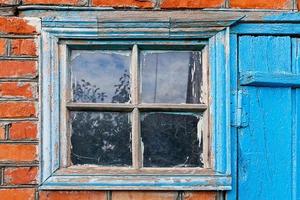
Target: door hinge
column 241, row 110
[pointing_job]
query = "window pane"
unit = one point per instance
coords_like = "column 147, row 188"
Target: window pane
column 100, row 76
column 101, row 138
column 172, row 139
column 171, row 77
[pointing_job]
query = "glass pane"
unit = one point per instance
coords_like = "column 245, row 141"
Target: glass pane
column 100, row 76
column 172, row 139
column 171, row 77
column 101, row 138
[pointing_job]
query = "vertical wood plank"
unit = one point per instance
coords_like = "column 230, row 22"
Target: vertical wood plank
column 232, row 194
column 206, row 117
column 55, row 100
column 136, row 140
column 220, row 101
column 136, row 136
column 296, row 120
column 265, row 145
column 135, row 75
column 65, row 88
column 265, row 53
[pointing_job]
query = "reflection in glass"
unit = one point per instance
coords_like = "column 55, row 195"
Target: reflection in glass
column 100, row 76
column 171, row 77
column 101, row 138
column 172, row 139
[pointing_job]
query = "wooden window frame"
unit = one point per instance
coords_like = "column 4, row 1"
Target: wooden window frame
column 53, row 54
column 135, row 107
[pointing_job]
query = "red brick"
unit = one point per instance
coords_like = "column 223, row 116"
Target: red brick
column 23, row 131
column 15, row 25
column 2, row 47
column 20, row 175
column 17, row 109
column 17, row 194
column 57, row 2
column 17, row 89
column 262, row 4
column 72, row 195
column 203, row 195
column 24, row 47
column 143, row 195
column 177, row 4
column 2, row 132
column 18, row 153
column 123, row 3
column 17, row 68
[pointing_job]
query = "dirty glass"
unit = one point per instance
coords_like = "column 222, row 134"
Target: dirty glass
column 101, row 138
column 171, row 77
column 100, row 76
column 172, row 139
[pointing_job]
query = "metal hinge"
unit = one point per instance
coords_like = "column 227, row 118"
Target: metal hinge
column 241, row 111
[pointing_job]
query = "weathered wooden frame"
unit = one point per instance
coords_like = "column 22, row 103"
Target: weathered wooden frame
column 136, row 106
column 212, row 28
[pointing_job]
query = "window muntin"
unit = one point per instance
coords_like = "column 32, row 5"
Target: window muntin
column 191, row 66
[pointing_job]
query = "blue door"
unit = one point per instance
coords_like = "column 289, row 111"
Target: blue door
column 266, row 140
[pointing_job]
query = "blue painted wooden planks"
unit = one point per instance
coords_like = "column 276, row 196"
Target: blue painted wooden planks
column 255, row 78
column 265, row 144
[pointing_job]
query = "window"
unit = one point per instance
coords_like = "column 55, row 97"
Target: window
column 141, row 107
column 128, row 110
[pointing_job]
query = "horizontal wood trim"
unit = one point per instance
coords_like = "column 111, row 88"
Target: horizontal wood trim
column 130, row 107
column 141, row 33
column 269, row 79
column 247, row 15
column 142, row 44
column 99, row 107
column 139, row 25
column 113, row 19
column 97, row 170
column 174, row 107
column 261, row 28
column 138, row 182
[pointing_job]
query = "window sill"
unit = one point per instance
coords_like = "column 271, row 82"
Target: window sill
column 137, row 182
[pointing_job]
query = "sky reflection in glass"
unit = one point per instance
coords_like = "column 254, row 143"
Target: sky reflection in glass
column 171, row 77
column 100, row 76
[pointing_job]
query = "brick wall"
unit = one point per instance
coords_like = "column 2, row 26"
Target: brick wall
column 18, row 108
column 19, row 98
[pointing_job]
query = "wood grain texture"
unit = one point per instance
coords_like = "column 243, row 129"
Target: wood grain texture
column 296, row 120
column 255, row 78
column 198, row 15
column 265, row 144
column 235, row 114
column 137, row 182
